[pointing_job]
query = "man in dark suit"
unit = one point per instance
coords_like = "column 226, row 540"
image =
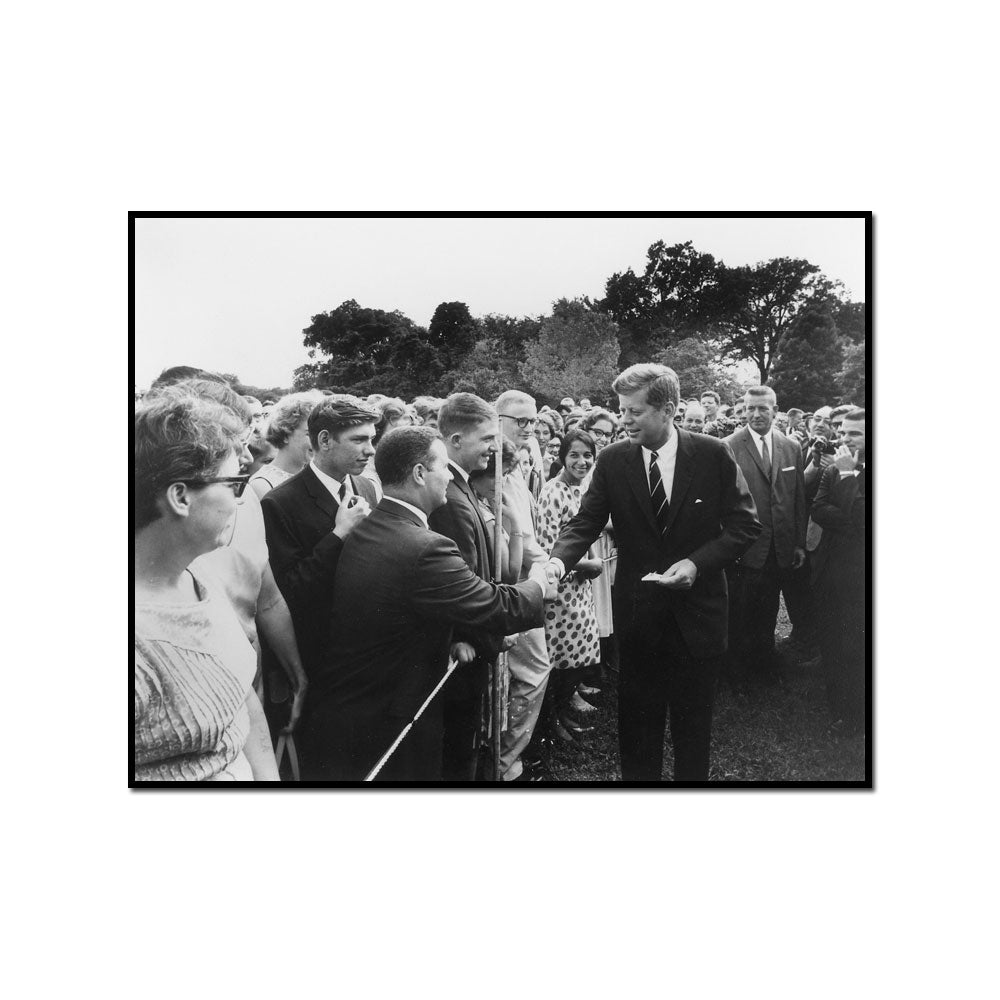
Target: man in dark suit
column 468, row 426
column 773, row 468
column 839, row 568
column 307, row 518
column 399, row 592
column 681, row 512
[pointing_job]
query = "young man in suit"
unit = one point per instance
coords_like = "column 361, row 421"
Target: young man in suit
column 839, row 567
column 468, row 426
column 773, row 468
column 400, row 590
column 681, row 512
column 307, row 518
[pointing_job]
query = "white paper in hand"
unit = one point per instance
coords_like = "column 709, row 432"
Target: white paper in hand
column 652, row 577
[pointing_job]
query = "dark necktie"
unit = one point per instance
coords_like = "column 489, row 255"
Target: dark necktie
column 767, row 458
column 658, row 494
column 342, row 495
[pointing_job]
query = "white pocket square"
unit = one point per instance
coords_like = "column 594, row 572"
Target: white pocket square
column 697, row 501
column 791, row 468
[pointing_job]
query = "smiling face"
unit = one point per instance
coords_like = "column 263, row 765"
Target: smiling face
column 543, row 434
column 646, row 425
column 437, row 476
column 471, row 449
column 603, row 432
column 519, row 410
column 579, row 462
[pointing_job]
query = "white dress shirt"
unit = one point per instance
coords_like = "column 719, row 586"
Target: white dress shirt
column 331, row 484
column 759, row 440
column 666, row 459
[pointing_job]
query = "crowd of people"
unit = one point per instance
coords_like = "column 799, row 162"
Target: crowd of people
column 322, row 592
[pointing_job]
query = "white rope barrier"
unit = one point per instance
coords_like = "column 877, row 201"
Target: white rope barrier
column 371, row 775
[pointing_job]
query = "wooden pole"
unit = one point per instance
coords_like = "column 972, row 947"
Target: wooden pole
column 500, row 664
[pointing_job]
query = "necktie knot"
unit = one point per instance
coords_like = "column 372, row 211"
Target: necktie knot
column 342, row 493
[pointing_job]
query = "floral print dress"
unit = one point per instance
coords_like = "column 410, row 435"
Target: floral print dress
column 571, row 631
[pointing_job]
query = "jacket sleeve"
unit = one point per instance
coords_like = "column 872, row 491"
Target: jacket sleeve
column 801, row 509
column 304, row 575
column 454, row 521
column 585, row 528
column 443, row 587
column 738, row 517
column 834, row 502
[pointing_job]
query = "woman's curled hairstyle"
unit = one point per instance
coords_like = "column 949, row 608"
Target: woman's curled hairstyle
column 178, row 436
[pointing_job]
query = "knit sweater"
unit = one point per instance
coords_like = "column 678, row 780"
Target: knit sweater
column 193, row 671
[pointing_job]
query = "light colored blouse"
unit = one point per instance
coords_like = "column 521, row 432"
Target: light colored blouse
column 193, row 671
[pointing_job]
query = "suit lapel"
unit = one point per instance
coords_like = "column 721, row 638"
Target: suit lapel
column 320, row 494
column 466, row 490
column 751, row 447
column 683, row 473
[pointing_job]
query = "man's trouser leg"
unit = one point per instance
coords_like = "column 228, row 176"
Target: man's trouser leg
column 528, row 661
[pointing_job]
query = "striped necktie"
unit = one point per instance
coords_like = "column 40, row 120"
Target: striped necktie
column 658, row 494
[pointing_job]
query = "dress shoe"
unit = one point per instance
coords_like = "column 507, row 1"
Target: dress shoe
column 564, row 727
column 581, row 705
column 591, row 695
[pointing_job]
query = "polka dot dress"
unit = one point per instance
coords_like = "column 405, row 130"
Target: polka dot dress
column 571, row 631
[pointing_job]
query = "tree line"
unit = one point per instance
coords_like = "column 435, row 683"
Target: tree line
column 780, row 322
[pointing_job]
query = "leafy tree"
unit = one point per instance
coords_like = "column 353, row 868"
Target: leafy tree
column 576, row 354
column 811, row 355
column 675, row 298
column 369, row 350
column 699, row 366
column 851, row 319
column 493, row 364
column 453, row 332
column 853, row 375
column 755, row 306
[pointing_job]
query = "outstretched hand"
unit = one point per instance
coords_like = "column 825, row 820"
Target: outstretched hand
column 680, row 576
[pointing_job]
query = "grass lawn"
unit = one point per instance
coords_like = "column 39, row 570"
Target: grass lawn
column 781, row 733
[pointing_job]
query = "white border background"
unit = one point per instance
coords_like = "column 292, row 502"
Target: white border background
column 524, row 106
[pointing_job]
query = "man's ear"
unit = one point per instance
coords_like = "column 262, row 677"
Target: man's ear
column 322, row 440
column 176, row 500
column 418, row 474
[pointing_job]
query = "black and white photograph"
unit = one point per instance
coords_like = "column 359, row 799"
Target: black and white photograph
column 502, row 499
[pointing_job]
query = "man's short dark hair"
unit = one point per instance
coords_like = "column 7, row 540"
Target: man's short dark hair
column 858, row 414
column 713, row 394
column 659, row 381
column 337, row 414
column 842, row 410
column 462, row 411
column 400, row 450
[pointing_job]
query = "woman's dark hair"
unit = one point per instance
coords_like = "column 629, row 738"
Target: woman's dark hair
column 509, row 455
column 178, row 435
column 576, row 435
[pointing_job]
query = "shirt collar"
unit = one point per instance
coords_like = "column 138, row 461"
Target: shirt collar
column 768, row 437
column 330, row 483
column 455, row 467
column 666, row 450
column 410, row 507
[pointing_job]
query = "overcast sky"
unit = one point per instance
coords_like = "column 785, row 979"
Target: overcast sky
column 234, row 295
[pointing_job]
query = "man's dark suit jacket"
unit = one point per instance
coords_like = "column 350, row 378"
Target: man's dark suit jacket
column 712, row 521
column 839, row 563
column 780, row 500
column 460, row 520
column 399, row 592
column 299, row 517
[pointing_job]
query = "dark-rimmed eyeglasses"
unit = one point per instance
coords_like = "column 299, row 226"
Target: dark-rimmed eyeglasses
column 521, row 422
column 236, row 483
